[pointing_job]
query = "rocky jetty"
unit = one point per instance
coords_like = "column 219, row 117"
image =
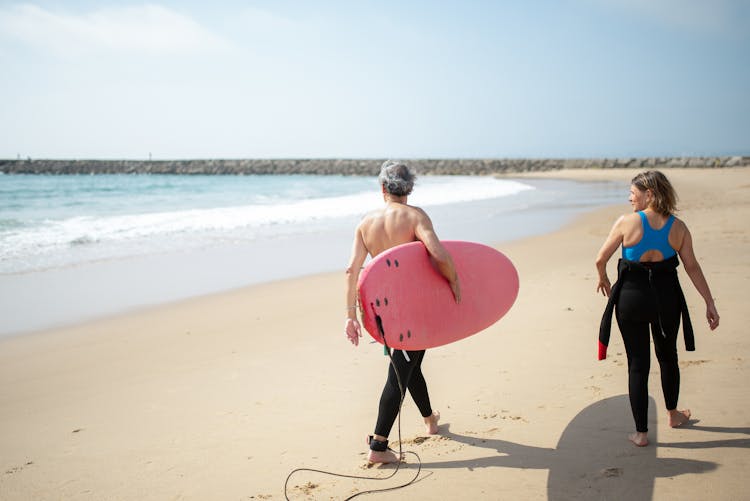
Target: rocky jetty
column 354, row 167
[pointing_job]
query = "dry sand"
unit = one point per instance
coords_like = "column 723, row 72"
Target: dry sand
column 221, row 397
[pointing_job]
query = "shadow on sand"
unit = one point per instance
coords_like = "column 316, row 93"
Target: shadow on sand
column 593, row 459
column 743, row 443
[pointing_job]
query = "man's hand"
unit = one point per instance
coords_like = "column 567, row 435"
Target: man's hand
column 456, row 288
column 353, row 330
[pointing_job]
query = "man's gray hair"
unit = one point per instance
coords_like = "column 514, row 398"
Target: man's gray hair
column 397, row 178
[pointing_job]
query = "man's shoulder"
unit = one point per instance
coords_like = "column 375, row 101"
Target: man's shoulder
column 370, row 217
column 417, row 210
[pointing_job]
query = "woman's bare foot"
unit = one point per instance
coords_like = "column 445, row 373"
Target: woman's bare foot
column 639, row 439
column 386, row 456
column 431, row 423
column 678, row 418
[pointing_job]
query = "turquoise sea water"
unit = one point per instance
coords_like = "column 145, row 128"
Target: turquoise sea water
column 78, row 247
column 52, row 221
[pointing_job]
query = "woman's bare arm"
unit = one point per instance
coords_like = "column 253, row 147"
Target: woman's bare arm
column 613, row 241
column 694, row 271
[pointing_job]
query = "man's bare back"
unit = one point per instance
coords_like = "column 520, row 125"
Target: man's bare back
column 393, row 225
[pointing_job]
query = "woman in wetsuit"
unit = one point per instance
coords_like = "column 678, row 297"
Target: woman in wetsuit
column 647, row 294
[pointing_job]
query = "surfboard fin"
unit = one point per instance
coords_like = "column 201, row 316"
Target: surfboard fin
column 379, row 323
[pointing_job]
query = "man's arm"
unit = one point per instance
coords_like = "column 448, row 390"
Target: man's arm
column 357, row 259
column 425, row 232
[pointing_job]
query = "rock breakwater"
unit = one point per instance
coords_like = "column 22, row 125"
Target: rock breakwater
column 354, row 167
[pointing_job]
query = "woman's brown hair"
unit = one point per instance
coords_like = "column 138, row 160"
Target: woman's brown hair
column 665, row 198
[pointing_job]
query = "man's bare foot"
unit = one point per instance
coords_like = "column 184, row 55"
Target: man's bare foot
column 678, row 418
column 639, row 439
column 431, row 423
column 386, row 456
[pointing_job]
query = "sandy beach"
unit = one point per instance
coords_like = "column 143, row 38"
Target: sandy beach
column 222, row 396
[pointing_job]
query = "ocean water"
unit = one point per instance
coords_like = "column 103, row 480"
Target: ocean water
column 78, row 247
column 54, row 221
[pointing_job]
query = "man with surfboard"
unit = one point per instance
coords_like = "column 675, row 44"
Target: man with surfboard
column 395, row 224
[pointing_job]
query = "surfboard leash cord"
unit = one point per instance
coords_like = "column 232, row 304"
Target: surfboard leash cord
column 401, row 452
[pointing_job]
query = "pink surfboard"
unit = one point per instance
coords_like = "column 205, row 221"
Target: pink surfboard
column 404, row 296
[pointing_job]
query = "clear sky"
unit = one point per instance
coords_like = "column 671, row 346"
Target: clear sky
column 374, row 79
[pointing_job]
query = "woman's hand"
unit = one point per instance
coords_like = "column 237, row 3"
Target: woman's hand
column 712, row 316
column 353, row 330
column 604, row 286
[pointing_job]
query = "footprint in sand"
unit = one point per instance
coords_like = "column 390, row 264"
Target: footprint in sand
column 420, row 440
column 594, row 389
column 611, row 472
column 502, row 415
column 688, row 363
column 17, row 469
column 439, row 442
column 307, row 488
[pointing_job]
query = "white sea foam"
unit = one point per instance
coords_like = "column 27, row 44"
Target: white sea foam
column 57, row 241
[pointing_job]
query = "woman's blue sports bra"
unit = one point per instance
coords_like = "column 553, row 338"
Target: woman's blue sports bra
column 652, row 239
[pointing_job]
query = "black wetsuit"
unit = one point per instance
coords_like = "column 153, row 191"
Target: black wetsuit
column 410, row 374
column 648, row 295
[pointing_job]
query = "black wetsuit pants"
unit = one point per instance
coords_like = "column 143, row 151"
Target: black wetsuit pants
column 410, row 374
column 641, row 303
